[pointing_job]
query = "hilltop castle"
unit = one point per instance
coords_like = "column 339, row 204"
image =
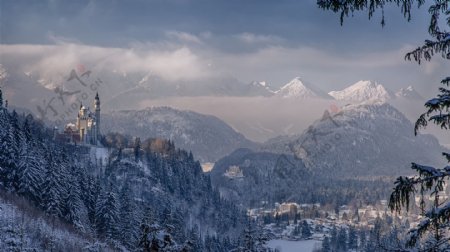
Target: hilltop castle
column 87, row 128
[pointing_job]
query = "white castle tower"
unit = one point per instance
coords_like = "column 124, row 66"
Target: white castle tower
column 88, row 123
column 97, row 116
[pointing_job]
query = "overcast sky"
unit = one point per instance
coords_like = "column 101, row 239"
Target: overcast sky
column 272, row 40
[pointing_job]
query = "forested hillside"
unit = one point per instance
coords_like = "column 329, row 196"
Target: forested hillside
column 272, row 177
column 153, row 196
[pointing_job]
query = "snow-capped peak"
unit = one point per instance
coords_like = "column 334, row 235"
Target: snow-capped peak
column 260, row 88
column 409, row 93
column 299, row 89
column 259, row 83
column 363, row 90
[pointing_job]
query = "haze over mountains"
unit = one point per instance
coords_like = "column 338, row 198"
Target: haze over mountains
column 257, row 109
column 120, row 85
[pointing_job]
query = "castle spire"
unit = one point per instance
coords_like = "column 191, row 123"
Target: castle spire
column 97, row 117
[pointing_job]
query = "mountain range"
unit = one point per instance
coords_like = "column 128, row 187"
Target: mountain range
column 128, row 90
column 264, row 110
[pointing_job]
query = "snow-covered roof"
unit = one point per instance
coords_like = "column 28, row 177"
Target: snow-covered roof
column 70, row 125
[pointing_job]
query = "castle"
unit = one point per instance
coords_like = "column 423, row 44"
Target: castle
column 87, row 128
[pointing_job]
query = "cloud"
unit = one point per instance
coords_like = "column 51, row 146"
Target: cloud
column 56, row 39
column 172, row 64
column 185, row 56
column 183, row 37
column 278, row 64
column 251, row 38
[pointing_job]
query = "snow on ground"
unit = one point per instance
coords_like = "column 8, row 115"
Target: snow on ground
column 24, row 228
column 294, row 246
column 99, row 153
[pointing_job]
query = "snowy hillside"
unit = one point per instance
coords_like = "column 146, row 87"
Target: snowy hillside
column 298, row 88
column 206, row 136
column 22, row 228
column 362, row 91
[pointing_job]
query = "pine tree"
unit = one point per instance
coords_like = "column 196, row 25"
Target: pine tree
column 137, row 149
column 17, row 140
column 53, row 189
column 146, row 234
column 342, row 239
column 107, row 215
column 362, row 239
column 30, row 171
column 91, row 195
column 334, row 238
column 193, row 242
column 326, row 247
column 252, row 239
column 26, row 129
column 352, row 238
column 75, row 210
column 1, row 98
column 9, row 155
column 128, row 220
column 145, row 241
column 306, row 230
column 296, row 231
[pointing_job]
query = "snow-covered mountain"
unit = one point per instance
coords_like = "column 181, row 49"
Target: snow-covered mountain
column 363, row 91
column 342, row 153
column 361, row 140
column 22, row 89
column 408, row 93
column 297, row 88
column 258, row 88
column 208, row 137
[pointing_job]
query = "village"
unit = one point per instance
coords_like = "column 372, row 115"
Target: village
column 296, row 222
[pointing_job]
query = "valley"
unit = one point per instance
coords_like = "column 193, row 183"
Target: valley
column 224, row 126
